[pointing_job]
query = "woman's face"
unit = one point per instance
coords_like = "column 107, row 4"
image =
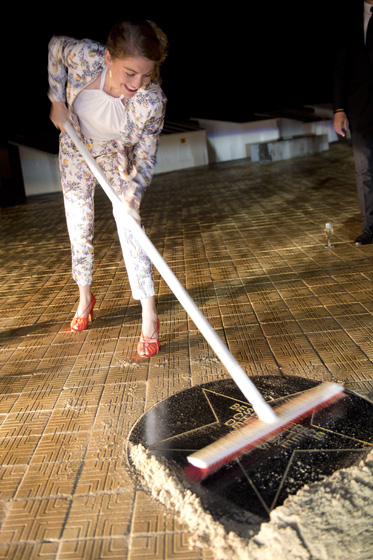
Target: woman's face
column 129, row 74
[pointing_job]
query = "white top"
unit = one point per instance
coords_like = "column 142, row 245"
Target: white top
column 100, row 114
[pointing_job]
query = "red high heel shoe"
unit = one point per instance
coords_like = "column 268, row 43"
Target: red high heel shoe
column 148, row 347
column 80, row 323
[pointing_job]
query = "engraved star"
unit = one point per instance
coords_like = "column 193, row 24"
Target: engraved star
column 305, row 452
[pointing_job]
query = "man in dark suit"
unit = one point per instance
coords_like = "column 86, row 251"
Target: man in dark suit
column 353, row 104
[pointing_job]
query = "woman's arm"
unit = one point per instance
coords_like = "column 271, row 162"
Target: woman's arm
column 71, row 63
column 59, row 49
column 137, row 159
column 81, row 59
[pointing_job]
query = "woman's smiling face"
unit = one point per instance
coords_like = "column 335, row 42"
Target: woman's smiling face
column 129, row 74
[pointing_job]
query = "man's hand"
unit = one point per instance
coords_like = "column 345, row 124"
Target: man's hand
column 340, row 123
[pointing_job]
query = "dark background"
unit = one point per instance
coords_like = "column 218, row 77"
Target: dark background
column 225, row 62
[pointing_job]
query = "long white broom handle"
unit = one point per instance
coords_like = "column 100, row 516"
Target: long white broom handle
column 249, row 390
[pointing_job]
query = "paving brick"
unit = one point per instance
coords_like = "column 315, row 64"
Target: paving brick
column 252, row 257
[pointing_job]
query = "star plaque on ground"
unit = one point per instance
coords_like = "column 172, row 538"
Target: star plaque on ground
column 337, row 436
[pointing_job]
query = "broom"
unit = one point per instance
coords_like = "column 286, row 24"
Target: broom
column 253, row 432
column 269, row 422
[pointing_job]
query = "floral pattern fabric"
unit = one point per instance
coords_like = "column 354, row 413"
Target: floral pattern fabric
column 79, row 183
column 128, row 162
column 72, row 65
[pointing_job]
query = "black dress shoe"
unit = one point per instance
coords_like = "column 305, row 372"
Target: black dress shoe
column 364, row 238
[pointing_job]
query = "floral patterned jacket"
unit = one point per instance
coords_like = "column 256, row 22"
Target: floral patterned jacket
column 72, row 65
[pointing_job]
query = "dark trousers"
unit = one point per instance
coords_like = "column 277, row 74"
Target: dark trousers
column 362, row 145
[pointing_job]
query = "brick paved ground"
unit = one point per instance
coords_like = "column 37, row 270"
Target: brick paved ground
column 247, row 242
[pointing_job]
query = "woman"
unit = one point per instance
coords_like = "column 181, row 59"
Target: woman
column 114, row 101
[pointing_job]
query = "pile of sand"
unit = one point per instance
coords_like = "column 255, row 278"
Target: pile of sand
column 328, row 520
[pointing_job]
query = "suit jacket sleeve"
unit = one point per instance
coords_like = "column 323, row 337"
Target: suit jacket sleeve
column 341, row 76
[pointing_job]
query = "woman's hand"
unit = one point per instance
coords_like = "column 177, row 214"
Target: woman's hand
column 340, row 123
column 59, row 114
column 132, row 206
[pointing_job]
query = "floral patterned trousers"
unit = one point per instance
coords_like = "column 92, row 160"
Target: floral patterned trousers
column 78, row 186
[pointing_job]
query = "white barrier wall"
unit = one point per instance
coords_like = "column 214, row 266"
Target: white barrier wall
column 218, row 141
column 176, row 151
column 181, row 150
column 227, row 141
column 224, row 140
column 289, row 148
column 321, row 127
column 288, row 128
column 40, row 171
